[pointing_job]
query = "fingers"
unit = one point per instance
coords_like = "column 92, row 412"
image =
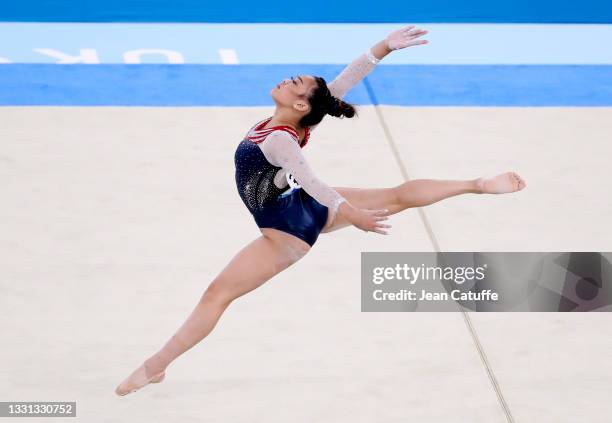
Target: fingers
column 381, row 228
column 416, row 43
column 416, row 33
column 406, row 37
column 382, row 212
column 376, row 217
column 378, row 214
column 411, row 31
column 413, row 41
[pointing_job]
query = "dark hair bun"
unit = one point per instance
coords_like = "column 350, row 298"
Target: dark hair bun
column 339, row 108
column 322, row 103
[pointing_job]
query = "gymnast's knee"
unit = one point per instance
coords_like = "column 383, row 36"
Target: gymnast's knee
column 217, row 293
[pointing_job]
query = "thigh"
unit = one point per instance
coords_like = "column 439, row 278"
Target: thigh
column 364, row 198
column 257, row 262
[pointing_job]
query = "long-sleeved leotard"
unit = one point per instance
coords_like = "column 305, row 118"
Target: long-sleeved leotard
column 281, row 148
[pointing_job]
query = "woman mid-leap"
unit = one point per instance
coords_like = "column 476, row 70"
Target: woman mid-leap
column 291, row 206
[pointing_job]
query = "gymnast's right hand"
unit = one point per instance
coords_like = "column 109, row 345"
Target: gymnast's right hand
column 366, row 219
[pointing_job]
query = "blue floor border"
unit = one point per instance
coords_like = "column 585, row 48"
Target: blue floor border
column 529, row 11
column 249, row 85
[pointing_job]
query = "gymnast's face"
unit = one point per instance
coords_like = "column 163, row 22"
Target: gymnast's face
column 294, row 92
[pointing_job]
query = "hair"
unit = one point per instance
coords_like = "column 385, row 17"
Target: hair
column 322, row 103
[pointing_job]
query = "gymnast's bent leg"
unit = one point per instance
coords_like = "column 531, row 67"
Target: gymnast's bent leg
column 256, row 263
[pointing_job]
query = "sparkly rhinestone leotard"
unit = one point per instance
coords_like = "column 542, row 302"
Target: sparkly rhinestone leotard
column 290, row 210
column 268, row 156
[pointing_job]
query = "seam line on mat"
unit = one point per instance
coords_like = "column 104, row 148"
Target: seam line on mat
column 434, row 241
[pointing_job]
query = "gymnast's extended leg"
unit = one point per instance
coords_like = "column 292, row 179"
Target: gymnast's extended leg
column 256, row 263
column 421, row 192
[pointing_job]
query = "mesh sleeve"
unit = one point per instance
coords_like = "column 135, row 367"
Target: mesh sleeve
column 282, row 150
column 349, row 77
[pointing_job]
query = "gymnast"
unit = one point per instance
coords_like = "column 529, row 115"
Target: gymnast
column 291, row 206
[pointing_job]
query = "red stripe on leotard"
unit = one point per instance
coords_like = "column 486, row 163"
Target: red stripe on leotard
column 258, row 134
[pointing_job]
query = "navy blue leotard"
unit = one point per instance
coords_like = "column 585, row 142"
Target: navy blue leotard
column 289, row 210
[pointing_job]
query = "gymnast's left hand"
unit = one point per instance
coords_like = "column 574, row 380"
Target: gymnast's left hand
column 405, row 37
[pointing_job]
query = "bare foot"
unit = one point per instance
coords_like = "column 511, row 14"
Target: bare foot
column 137, row 380
column 159, row 378
column 501, row 184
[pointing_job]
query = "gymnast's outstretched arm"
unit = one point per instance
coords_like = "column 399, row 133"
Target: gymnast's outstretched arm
column 358, row 69
column 361, row 66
